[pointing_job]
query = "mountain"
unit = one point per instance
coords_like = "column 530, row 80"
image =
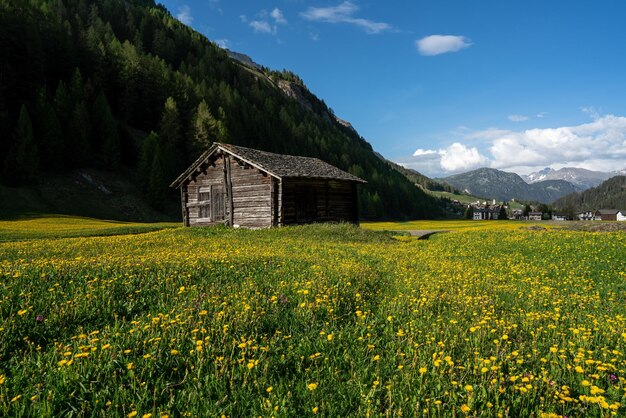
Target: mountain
column 610, row 194
column 580, row 177
column 490, row 183
column 121, row 86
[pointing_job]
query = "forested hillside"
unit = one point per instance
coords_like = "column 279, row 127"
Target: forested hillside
column 123, row 86
column 611, row 194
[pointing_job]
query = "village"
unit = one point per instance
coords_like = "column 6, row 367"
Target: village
column 483, row 210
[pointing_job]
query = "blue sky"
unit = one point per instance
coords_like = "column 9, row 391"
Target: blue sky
column 449, row 86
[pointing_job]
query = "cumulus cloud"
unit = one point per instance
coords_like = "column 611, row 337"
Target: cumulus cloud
column 598, row 145
column 344, row 13
column 420, row 152
column 184, row 15
column 518, row 118
column 223, row 43
column 266, row 22
column 458, row 157
column 261, row 26
column 278, row 17
column 441, row 44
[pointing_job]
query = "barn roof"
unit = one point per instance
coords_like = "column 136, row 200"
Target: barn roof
column 278, row 165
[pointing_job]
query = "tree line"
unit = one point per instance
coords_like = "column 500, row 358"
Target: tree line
column 124, row 86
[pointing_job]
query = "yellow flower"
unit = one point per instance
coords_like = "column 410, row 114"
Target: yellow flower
column 22, row 312
column 174, row 352
column 469, row 388
column 376, row 357
column 129, row 366
column 146, row 415
column 132, row 414
column 16, row 398
column 423, row 370
column 312, row 386
column 465, row 409
column 269, row 389
column 250, row 365
column 315, row 409
column 329, row 337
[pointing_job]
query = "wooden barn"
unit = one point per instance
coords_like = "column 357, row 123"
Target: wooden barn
column 248, row 188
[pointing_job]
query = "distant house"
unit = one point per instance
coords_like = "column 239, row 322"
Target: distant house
column 606, row 215
column 621, row 215
column 586, row 216
column 248, row 188
column 535, row 216
column 557, row 216
column 482, row 214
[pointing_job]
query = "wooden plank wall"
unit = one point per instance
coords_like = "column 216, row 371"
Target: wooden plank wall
column 336, row 200
column 252, row 196
column 213, row 175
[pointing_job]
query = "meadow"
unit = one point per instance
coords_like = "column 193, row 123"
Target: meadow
column 326, row 320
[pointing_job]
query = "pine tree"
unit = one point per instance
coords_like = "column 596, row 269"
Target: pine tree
column 104, row 133
column 49, row 134
column 77, row 145
column 146, row 158
column 22, row 162
column 207, row 129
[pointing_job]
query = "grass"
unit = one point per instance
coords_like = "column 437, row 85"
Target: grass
column 326, row 320
column 60, row 226
column 455, row 225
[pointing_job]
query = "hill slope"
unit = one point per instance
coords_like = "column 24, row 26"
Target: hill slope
column 495, row 184
column 85, row 82
column 611, row 194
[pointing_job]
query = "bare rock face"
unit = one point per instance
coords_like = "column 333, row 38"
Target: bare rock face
column 295, row 92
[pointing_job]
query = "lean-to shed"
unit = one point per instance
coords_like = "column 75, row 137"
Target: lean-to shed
column 249, row 188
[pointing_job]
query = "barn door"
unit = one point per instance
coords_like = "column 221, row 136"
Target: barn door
column 217, row 203
column 306, row 204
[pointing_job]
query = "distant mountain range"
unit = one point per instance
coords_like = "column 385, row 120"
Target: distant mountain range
column 490, row 183
column 580, row 177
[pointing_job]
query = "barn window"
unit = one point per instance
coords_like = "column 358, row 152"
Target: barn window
column 211, row 203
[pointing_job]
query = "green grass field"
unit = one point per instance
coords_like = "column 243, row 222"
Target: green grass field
column 327, row 320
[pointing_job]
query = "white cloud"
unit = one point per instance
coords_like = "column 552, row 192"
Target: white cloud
column 184, row 15
column 441, row 44
column 263, row 22
column 458, row 157
column 518, row 118
column 278, row 17
column 541, row 114
column 420, row 152
column 223, row 43
column 262, row 26
column 344, row 13
column 598, row 145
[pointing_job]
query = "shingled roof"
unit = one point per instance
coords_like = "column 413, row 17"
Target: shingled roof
column 278, row 165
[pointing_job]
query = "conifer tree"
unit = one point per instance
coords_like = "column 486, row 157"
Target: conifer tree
column 146, row 158
column 48, row 134
column 22, row 162
column 207, row 129
column 104, row 133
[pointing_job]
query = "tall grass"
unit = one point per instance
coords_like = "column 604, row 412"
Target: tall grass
column 329, row 320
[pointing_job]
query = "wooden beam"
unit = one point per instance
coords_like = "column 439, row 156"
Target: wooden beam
column 229, row 185
column 183, row 200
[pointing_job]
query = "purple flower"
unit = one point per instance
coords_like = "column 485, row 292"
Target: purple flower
column 39, row 318
column 613, row 378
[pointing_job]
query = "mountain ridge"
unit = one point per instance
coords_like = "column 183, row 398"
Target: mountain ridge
column 491, row 183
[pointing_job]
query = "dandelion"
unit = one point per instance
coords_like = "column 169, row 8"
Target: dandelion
column 465, row 409
column 329, row 337
column 423, row 370
column 312, row 386
column 269, row 389
column 132, row 414
column 250, row 365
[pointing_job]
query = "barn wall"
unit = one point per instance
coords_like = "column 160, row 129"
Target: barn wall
column 213, row 175
column 328, row 200
column 252, row 197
